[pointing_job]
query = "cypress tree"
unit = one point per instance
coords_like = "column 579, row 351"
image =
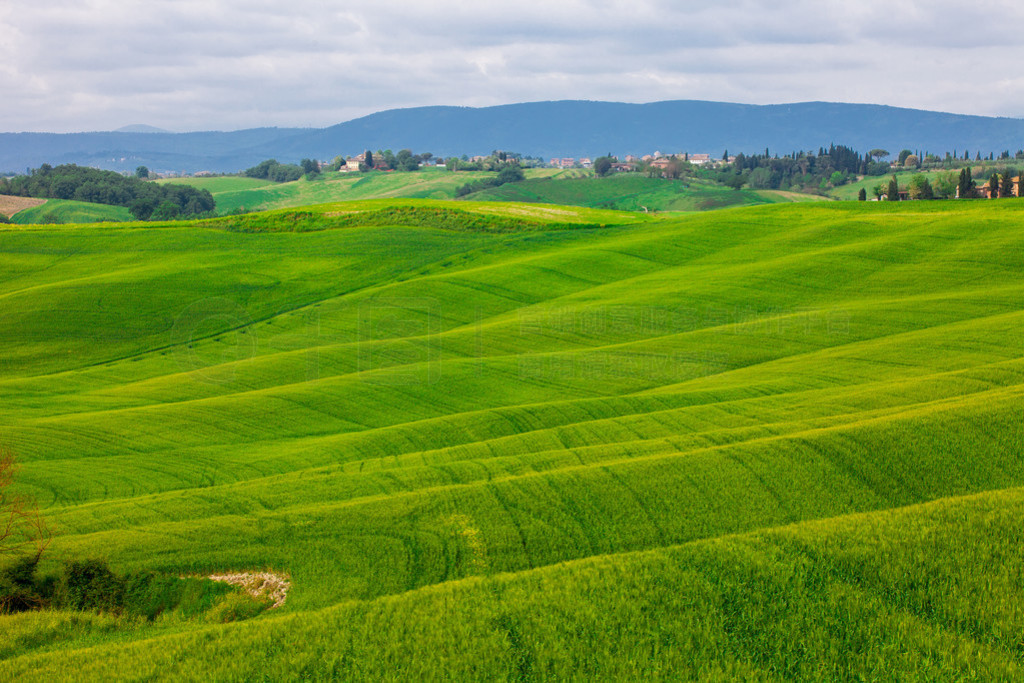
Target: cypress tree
column 1006, row 186
column 965, row 187
column 894, row 190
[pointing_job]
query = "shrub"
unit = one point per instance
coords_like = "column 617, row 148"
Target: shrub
column 19, row 589
column 90, row 585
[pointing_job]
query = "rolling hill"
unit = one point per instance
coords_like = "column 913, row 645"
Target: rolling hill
column 546, row 129
column 627, row 192
column 504, row 440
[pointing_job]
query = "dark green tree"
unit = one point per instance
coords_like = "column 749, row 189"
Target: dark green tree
column 1006, row 184
column 965, row 186
column 893, row 195
column 166, row 211
column 368, row 160
column 142, row 172
column 993, row 186
column 862, row 196
column 603, row 166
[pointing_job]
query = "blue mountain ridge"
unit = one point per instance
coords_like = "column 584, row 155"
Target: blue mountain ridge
column 546, row 129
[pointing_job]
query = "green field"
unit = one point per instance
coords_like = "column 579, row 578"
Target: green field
column 634, row 192
column 249, row 193
column 71, row 211
column 623, row 192
column 777, row 442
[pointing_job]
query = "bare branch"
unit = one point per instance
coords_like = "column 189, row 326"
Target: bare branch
column 21, row 524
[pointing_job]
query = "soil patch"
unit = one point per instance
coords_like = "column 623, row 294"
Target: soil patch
column 10, row 205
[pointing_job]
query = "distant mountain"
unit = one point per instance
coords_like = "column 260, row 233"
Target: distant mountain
column 140, row 128
column 547, row 129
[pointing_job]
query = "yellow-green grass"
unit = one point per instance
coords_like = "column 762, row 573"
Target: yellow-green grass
column 630, row 192
column 929, row 592
column 71, row 211
column 495, row 454
column 233, row 193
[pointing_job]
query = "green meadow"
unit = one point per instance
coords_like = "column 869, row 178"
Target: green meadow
column 635, row 192
column 518, row 441
column 71, row 211
column 259, row 195
column 575, row 187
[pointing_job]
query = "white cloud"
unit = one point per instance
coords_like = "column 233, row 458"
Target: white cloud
column 200, row 64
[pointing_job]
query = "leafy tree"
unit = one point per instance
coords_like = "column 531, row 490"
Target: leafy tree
column 142, row 172
column 944, row 185
column 510, row 174
column 603, row 166
column 912, row 161
column 166, row 211
column 920, row 188
column 405, row 160
column 310, row 167
column 879, row 154
column 275, row 171
column 143, row 207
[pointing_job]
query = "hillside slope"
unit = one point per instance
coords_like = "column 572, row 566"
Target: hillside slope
column 546, row 129
column 431, row 418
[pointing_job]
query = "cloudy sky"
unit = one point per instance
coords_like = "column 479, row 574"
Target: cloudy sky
column 74, row 65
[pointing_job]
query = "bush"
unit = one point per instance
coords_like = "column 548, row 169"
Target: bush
column 19, row 589
column 90, row 585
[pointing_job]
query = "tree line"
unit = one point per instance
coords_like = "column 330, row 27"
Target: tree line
column 145, row 200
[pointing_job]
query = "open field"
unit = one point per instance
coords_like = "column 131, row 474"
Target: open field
column 249, row 193
column 776, row 442
column 634, row 192
column 70, row 211
column 11, row 205
column 624, row 192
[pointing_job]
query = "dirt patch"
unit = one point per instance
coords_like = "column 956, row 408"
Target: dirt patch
column 259, row 584
column 10, row 205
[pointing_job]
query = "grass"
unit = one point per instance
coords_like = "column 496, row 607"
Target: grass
column 233, row 193
column 631, row 192
column 70, row 211
column 575, row 187
column 487, row 440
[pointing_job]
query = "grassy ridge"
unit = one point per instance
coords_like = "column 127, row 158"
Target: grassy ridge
column 820, row 600
column 253, row 194
column 632, row 192
column 389, row 408
column 71, row 211
column 622, row 192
